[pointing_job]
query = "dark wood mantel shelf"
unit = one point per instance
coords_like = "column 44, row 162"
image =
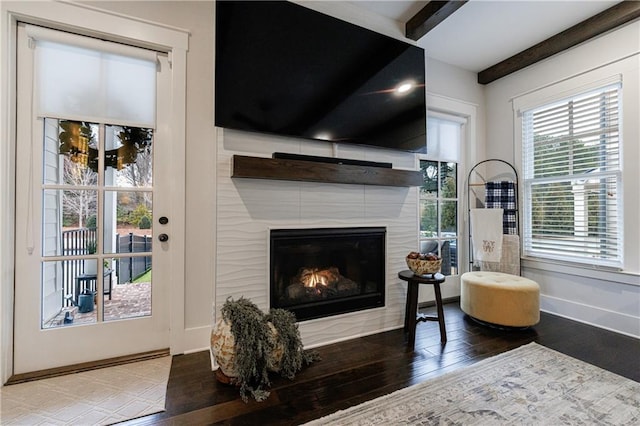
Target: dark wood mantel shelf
column 310, row 171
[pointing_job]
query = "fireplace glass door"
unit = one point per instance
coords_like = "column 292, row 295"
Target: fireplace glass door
column 327, row 271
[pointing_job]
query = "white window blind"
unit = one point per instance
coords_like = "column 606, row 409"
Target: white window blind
column 571, row 164
column 93, row 80
column 443, row 136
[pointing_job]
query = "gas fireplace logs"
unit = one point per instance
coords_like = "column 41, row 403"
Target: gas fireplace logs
column 315, row 283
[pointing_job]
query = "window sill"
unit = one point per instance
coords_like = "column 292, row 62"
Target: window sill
column 619, row 277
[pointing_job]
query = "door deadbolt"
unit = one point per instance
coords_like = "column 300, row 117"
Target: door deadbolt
column 163, row 238
column 163, row 220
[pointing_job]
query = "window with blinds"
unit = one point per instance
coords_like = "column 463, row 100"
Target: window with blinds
column 572, row 175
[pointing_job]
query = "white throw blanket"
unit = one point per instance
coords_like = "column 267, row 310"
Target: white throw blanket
column 486, row 234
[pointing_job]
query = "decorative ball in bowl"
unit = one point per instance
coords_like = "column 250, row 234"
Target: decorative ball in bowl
column 423, row 263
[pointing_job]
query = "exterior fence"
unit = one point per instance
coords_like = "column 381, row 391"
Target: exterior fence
column 74, row 243
column 129, row 268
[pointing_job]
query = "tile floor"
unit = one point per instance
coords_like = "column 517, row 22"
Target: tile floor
column 97, row 397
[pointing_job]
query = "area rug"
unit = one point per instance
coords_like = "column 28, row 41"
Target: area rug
column 530, row 385
column 98, row 397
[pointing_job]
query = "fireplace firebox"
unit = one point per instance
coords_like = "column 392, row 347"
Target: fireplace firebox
column 327, row 271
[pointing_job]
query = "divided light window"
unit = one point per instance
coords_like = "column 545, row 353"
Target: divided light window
column 439, row 192
column 572, row 176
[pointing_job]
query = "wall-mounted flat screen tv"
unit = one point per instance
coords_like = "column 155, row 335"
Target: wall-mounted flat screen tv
column 284, row 69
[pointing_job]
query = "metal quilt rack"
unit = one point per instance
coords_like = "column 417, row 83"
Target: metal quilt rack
column 492, row 170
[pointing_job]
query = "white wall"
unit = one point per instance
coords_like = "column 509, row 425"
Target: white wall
column 455, row 83
column 606, row 299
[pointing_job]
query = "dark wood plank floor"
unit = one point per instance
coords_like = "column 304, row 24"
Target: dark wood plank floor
column 358, row 370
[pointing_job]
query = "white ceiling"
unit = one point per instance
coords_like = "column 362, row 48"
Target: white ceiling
column 483, row 32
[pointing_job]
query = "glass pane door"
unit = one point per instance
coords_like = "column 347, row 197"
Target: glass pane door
column 90, row 285
column 97, row 210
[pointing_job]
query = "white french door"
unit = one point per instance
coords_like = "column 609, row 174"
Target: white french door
column 92, row 226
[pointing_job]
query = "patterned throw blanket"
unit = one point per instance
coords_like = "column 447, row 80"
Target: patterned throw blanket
column 503, row 195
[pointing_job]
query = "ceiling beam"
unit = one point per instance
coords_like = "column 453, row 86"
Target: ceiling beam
column 609, row 19
column 429, row 16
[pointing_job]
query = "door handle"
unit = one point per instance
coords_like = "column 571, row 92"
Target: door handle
column 163, row 238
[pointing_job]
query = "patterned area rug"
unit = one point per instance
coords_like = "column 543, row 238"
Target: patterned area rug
column 528, row 385
column 97, row 397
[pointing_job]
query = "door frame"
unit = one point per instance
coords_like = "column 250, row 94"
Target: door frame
column 88, row 20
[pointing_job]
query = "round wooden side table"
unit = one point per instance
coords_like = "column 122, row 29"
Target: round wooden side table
column 411, row 316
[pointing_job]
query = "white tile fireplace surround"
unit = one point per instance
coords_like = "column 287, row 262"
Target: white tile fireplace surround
column 247, row 209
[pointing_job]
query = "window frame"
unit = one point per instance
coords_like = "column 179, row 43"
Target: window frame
column 545, row 97
column 439, row 199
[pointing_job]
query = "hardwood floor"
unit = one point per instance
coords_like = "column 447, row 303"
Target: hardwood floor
column 358, row 370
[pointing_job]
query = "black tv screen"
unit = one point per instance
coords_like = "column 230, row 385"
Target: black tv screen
column 284, row 69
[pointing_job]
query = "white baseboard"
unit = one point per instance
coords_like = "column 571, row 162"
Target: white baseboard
column 197, row 339
column 592, row 315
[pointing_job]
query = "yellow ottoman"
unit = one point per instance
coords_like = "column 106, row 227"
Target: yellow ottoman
column 499, row 298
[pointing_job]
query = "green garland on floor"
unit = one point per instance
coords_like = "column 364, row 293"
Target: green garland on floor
column 255, row 342
column 294, row 356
